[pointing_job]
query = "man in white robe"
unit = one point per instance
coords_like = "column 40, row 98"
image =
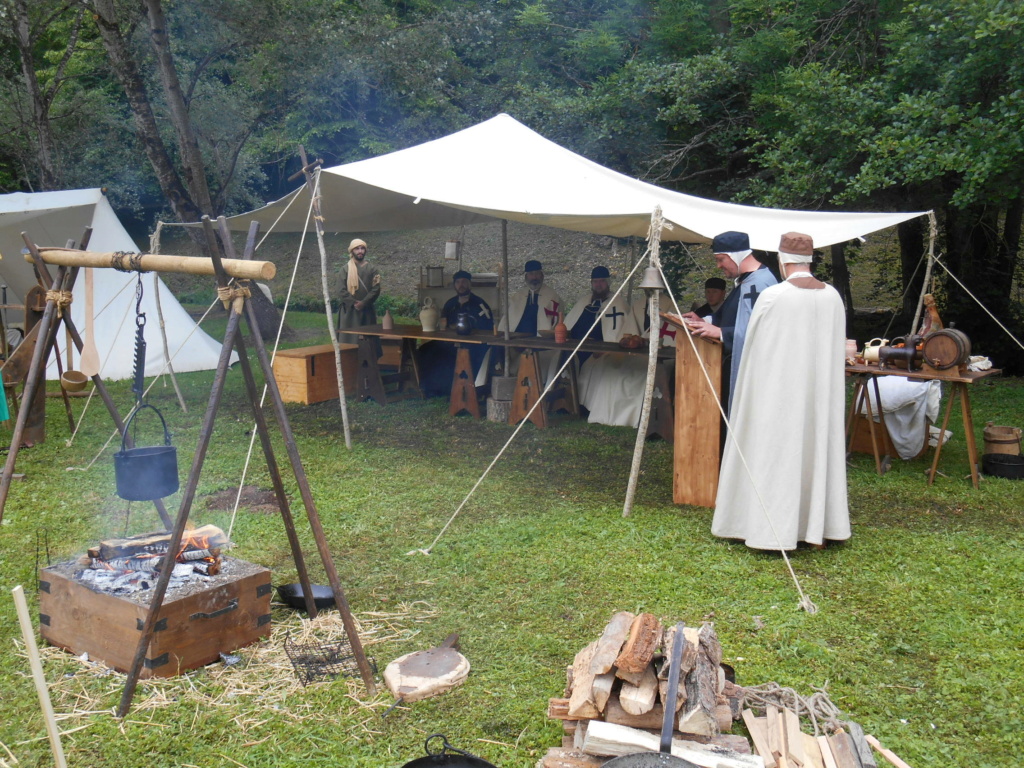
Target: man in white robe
column 532, row 309
column 606, row 387
column 788, row 417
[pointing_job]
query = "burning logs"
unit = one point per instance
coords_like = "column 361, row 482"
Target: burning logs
column 622, row 678
column 132, row 564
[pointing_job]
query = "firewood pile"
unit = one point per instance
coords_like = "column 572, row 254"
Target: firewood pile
column 617, row 686
column 614, row 704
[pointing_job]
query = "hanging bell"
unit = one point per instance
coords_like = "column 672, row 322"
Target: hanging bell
column 652, row 280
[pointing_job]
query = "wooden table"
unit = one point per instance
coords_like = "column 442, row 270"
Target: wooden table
column 958, row 382
column 529, row 379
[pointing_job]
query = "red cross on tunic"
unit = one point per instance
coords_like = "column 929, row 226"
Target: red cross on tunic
column 666, row 330
column 552, row 313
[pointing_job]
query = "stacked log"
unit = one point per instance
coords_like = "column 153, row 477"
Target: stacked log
column 622, row 679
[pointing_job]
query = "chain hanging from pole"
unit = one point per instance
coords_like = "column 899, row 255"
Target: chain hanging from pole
column 139, row 379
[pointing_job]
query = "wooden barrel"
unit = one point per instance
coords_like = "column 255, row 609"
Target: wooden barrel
column 947, row 348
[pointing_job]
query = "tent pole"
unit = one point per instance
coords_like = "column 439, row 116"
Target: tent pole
column 504, row 309
column 652, row 361
column 933, row 231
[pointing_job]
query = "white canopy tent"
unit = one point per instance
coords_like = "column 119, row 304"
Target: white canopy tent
column 501, row 169
column 53, row 218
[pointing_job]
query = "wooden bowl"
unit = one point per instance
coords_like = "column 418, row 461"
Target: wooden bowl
column 73, row 381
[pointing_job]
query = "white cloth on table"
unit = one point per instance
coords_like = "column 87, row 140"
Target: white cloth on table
column 909, row 407
column 787, row 419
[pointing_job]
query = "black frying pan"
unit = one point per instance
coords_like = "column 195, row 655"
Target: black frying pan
column 664, row 758
column 447, row 756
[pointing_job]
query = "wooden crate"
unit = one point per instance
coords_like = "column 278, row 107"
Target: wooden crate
column 308, row 374
column 191, row 631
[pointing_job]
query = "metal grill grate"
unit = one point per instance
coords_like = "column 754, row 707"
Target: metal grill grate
column 316, row 662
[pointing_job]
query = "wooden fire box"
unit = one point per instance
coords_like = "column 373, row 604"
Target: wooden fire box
column 308, row 374
column 192, row 629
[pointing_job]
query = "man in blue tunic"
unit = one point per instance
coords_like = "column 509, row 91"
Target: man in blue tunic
column 437, row 358
column 729, row 323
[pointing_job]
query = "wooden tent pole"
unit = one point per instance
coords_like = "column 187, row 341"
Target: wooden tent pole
column 155, row 262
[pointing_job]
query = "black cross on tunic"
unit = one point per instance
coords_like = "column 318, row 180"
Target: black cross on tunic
column 615, row 315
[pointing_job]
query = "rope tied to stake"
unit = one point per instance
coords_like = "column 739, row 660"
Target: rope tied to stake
column 125, row 261
column 61, row 298
column 228, row 293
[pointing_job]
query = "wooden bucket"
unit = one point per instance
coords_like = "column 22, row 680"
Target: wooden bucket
column 946, row 349
column 1004, row 440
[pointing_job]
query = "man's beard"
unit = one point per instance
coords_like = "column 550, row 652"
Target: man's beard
column 535, row 285
column 595, row 296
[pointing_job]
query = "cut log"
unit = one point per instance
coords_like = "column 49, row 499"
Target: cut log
column 794, row 739
column 644, row 639
column 698, row 715
column 734, row 696
column 614, row 713
column 812, row 751
column 581, row 700
column 602, row 689
column 689, row 658
column 757, row 727
column 560, row 757
column 826, row 752
column 614, row 740
column 580, row 736
column 639, row 699
column 843, row 750
column 723, row 717
column 663, row 683
column 860, row 743
column 611, row 641
column 888, row 754
column 558, row 709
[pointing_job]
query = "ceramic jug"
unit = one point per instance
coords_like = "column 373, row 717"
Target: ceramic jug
column 388, row 322
column 561, row 331
column 428, row 315
column 871, row 349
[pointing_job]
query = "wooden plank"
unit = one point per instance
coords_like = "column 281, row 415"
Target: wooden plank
column 843, row 750
column 697, row 421
column 812, row 751
column 757, row 727
column 581, row 700
column 610, row 643
column 558, row 709
column 639, row 699
column 794, row 739
column 860, row 743
column 776, row 735
column 560, row 757
column 888, row 754
column 826, row 752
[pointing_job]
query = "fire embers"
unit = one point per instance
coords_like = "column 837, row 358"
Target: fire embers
column 134, row 564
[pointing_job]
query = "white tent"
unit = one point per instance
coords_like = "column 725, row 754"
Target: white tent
column 53, row 218
column 501, row 169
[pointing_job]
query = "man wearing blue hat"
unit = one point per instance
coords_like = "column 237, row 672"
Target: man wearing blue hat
column 729, row 323
column 602, row 378
column 437, row 358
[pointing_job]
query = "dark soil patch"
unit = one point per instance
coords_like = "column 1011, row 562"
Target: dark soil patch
column 253, row 499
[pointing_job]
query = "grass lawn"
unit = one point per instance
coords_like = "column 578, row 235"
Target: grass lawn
column 918, row 637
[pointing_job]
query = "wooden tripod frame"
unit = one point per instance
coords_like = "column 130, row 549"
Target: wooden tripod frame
column 233, row 340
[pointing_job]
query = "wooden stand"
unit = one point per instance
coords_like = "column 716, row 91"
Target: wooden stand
column 697, row 444
column 238, row 305
column 529, row 385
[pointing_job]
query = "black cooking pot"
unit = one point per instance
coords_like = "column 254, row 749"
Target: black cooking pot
column 447, row 756
column 149, row 472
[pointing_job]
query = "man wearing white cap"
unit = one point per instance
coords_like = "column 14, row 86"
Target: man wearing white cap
column 357, row 292
column 729, row 323
column 787, row 416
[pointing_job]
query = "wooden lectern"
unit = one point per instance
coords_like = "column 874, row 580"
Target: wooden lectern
column 697, row 446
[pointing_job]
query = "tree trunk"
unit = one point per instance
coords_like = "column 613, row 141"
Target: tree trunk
column 48, row 178
column 912, row 269
column 145, row 121
column 192, row 160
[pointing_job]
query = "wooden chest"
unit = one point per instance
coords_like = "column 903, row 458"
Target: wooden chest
column 308, row 374
column 192, row 629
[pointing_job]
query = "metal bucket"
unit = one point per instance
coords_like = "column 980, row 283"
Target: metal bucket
column 149, row 472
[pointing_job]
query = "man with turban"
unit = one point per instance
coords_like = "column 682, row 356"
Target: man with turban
column 358, row 290
column 787, row 416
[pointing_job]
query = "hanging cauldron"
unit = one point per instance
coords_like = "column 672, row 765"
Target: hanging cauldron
column 148, row 472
